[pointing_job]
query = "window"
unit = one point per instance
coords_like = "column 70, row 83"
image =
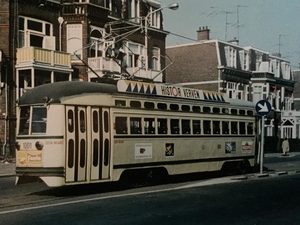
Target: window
column 155, row 17
column 82, row 121
column 175, row 126
column 206, row 126
column 133, row 9
column 135, row 126
column 250, row 128
column 216, row 127
column 174, row 107
column 225, row 127
column 96, row 44
column 206, row 109
column 186, row 126
column 242, row 127
column 134, row 54
column 196, row 109
column 95, row 122
column 74, row 40
column 162, row 106
column 121, row 125
column 155, row 61
column 36, row 122
column 39, row 119
column 70, row 121
column 162, row 126
column 149, row 105
column 216, row 110
column 24, row 120
column 135, row 104
column 149, row 125
column 234, row 127
column 233, row 111
column 185, row 108
column 120, row 103
column 196, row 127
column 33, row 32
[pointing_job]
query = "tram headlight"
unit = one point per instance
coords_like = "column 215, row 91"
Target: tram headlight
column 39, row 145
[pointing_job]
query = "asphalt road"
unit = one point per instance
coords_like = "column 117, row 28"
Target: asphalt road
column 240, row 200
column 270, row 200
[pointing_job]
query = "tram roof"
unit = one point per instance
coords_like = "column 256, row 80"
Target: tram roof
column 54, row 92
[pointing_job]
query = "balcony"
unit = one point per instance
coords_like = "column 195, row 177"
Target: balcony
column 103, row 65
column 142, row 73
column 34, row 56
column 94, row 11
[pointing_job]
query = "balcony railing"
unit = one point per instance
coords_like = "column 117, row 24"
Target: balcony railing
column 149, row 74
column 34, row 55
column 101, row 64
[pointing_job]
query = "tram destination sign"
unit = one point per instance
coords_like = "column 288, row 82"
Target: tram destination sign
column 263, row 107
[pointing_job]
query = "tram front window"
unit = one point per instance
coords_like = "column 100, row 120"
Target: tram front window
column 39, row 118
column 37, row 122
column 24, row 120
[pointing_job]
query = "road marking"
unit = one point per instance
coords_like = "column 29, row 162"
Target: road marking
column 198, row 184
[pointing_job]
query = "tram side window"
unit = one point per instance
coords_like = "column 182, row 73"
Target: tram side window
column 175, row 126
column 186, row 126
column 225, row 127
column 250, row 128
column 149, row 125
column 242, row 126
column 24, row 120
column 206, row 127
column 196, row 127
column 121, row 125
column 162, row 126
column 135, row 126
column 39, row 119
column 234, row 128
column 216, row 127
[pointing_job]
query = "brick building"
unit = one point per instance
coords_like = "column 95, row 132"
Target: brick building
column 242, row 72
column 45, row 41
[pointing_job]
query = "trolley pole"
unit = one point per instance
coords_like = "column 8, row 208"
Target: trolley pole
column 262, row 144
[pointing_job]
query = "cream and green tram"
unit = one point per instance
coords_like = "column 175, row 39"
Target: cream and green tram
column 80, row 132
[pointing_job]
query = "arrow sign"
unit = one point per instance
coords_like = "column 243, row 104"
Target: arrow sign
column 263, row 107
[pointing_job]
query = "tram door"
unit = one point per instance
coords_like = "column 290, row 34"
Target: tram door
column 100, row 163
column 76, row 141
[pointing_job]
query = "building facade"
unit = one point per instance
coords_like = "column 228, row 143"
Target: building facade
column 242, row 72
column 45, row 41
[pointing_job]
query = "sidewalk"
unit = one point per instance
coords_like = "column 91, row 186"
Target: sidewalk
column 7, row 168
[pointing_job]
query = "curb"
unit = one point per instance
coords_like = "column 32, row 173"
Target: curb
column 7, row 175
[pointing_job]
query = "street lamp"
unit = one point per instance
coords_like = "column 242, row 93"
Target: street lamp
column 172, row 6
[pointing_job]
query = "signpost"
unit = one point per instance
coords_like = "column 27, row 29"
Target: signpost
column 262, row 107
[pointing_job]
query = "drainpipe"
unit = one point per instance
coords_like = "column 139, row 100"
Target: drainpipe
column 6, row 114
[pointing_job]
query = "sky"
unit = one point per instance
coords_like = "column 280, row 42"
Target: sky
column 269, row 25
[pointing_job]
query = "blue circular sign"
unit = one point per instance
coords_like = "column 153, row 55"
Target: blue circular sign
column 263, row 107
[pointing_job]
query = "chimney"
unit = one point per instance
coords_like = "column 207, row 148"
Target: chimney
column 203, row 34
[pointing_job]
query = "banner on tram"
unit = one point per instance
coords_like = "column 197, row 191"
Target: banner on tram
column 169, row 90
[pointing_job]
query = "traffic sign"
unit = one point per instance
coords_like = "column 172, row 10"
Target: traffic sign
column 263, row 107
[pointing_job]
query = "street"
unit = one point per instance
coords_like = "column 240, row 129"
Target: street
column 218, row 200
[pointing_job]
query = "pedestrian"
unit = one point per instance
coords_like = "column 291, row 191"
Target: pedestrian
column 285, row 147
